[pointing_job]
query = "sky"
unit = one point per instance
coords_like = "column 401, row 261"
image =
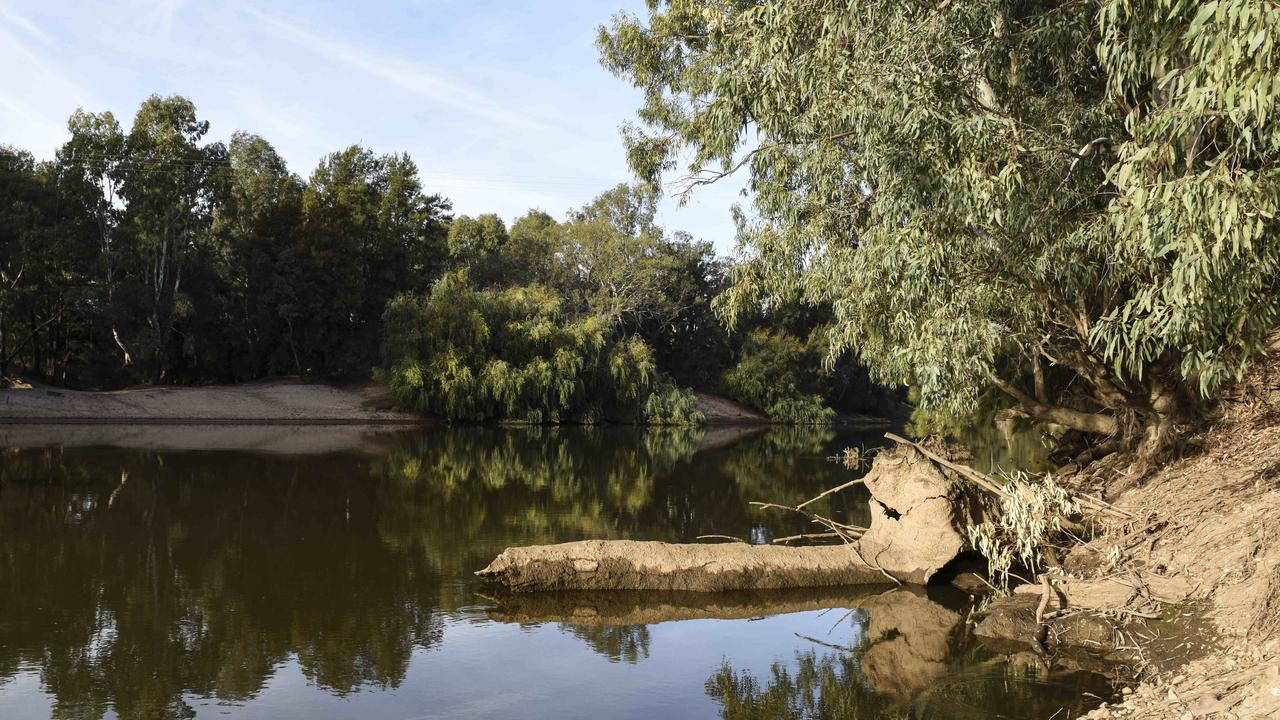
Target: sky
column 502, row 104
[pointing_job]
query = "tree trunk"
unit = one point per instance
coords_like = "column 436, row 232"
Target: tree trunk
column 1160, row 426
column 4, row 349
column 1088, row 422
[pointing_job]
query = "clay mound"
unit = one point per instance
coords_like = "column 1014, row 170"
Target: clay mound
column 636, row 565
column 919, row 515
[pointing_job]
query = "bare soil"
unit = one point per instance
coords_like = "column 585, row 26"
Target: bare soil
column 283, row 401
column 1209, row 522
column 722, row 411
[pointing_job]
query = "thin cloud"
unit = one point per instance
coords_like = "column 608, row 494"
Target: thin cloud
column 408, row 77
column 38, row 99
column 27, row 26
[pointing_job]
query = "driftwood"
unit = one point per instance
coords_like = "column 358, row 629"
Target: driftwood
column 986, row 483
column 635, row 565
column 921, row 508
column 919, row 514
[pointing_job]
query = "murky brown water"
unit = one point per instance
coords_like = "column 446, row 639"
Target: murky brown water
column 290, row 582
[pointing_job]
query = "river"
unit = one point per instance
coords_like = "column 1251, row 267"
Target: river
column 329, row 575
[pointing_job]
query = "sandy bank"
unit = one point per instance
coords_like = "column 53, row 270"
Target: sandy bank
column 269, row 402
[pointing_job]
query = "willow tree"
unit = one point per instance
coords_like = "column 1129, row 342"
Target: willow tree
column 1073, row 202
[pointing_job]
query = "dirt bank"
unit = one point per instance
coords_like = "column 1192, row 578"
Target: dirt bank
column 283, row 402
column 723, row 411
column 1210, row 523
column 276, row 439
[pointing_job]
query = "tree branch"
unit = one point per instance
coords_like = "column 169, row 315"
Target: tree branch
column 1096, row 423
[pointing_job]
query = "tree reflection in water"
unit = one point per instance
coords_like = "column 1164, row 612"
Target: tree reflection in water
column 910, row 657
column 138, row 579
column 145, row 581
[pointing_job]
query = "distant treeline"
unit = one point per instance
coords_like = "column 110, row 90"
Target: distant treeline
column 152, row 255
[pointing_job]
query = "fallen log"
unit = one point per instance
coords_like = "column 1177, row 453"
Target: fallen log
column 638, row 565
column 919, row 514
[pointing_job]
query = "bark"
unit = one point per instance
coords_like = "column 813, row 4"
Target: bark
column 635, row 565
column 1088, row 422
column 1161, row 421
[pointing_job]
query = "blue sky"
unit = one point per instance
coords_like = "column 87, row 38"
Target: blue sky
column 502, row 104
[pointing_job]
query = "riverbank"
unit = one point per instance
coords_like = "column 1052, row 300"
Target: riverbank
column 1212, row 521
column 283, row 401
column 266, row 402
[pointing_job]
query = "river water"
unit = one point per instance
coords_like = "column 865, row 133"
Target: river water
column 327, row 573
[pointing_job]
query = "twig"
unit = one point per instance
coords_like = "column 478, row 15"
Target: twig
column 978, row 478
column 1042, row 629
column 825, row 644
column 721, row 537
column 805, row 536
column 830, row 491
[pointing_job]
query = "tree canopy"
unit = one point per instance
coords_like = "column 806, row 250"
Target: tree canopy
column 147, row 253
column 1072, row 202
column 150, row 254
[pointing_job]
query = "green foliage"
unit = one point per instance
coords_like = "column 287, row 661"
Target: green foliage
column 1075, row 205
column 1030, row 517
column 668, row 404
column 515, row 354
column 150, row 254
column 367, row 232
column 556, row 321
column 776, row 374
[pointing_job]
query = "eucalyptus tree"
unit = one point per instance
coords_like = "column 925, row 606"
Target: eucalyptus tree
column 259, row 209
column 21, row 200
column 47, row 257
column 1073, row 202
column 368, row 231
column 168, row 182
column 90, row 160
column 480, row 244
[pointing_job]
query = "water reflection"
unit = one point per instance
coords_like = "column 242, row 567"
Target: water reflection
column 906, row 656
column 150, row 582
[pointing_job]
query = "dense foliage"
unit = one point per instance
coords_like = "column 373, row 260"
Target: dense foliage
column 149, row 254
column 557, row 321
column 470, row 354
column 1073, row 203
column 152, row 255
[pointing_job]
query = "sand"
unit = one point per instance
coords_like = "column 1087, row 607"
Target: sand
column 285, row 402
